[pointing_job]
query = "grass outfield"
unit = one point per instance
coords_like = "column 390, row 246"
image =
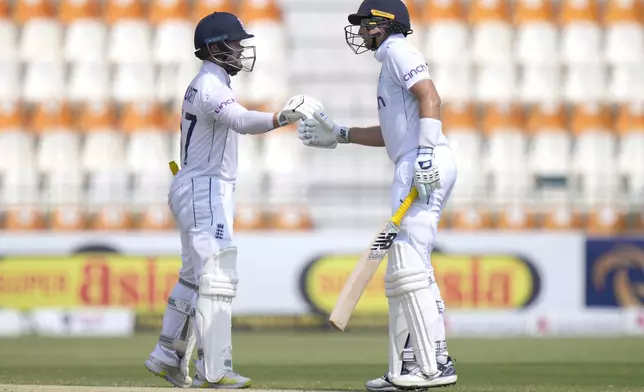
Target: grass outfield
column 332, row 361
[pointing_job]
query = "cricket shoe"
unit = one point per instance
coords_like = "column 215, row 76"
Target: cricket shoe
column 415, row 378
column 381, row 384
column 171, row 374
column 230, row 380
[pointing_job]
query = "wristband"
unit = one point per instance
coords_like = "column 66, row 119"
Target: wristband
column 343, row 134
column 430, row 131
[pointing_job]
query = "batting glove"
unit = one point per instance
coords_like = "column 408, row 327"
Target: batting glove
column 299, row 107
column 427, row 177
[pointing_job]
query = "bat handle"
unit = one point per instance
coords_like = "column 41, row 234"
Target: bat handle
column 404, row 207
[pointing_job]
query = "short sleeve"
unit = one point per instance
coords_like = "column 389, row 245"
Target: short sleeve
column 406, row 66
column 214, row 97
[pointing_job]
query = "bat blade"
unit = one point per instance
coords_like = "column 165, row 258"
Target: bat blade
column 361, row 275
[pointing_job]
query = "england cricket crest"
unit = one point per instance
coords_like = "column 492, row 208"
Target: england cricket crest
column 383, row 242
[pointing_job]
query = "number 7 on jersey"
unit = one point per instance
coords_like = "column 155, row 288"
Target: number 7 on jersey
column 367, row 266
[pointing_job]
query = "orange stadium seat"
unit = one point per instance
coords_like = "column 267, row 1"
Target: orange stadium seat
column 507, row 150
column 102, row 157
column 73, row 10
column 266, row 87
column 581, row 32
column 624, row 32
column 25, row 10
column 447, row 37
column 416, row 25
column 58, row 162
column 146, row 161
column 465, row 211
column 133, row 82
column 8, row 34
column 174, row 29
column 204, row 7
column 9, row 80
column 85, row 38
column 4, row 10
column 491, row 31
column 119, row 10
column 550, row 161
column 283, row 160
column 19, row 199
column 536, row 32
column 594, row 163
column 161, row 11
column 630, row 127
column 41, row 36
column 249, row 214
column 129, row 36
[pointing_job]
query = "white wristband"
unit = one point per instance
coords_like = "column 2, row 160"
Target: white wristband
column 343, row 134
column 430, row 131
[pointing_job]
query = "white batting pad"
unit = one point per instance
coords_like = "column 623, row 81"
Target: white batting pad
column 217, row 288
column 398, row 333
column 177, row 333
column 406, row 279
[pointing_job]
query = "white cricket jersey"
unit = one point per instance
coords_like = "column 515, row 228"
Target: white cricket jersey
column 402, row 67
column 208, row 147
column 211, row 120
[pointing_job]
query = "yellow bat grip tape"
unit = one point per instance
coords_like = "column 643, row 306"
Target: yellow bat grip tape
column 402, row 210
column 174, row 168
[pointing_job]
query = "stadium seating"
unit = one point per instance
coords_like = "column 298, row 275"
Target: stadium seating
column 543, row 106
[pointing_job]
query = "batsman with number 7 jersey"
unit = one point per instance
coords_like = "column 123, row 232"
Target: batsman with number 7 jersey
column 411, row 131
column 201, row 200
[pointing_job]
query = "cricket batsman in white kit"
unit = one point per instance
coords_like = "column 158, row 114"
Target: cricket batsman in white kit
column 201, row 200
column 411, row 131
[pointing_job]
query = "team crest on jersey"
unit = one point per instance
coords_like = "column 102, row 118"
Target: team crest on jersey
column 190, row 94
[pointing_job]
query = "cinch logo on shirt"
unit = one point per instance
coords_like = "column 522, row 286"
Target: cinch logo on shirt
column 409, row 75
column 224, row 104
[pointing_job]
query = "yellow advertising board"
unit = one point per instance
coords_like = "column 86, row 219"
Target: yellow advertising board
column 465, row 281
column 140, row 282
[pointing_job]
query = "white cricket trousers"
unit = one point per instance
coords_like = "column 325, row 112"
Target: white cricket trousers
column 420, row 225
column 204, row 209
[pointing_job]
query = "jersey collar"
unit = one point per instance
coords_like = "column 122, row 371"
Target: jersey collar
column 381, row 52
column 217, row 70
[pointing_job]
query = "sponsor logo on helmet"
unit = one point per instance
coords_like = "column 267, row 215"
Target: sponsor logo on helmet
column 224, row 104
column 383, row 14
column 419, row 69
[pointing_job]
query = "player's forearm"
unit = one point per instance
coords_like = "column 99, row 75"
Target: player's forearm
column 429, row 111
column 370, row 136
column 248, row 121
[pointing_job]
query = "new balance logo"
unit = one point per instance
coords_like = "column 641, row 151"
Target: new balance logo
column 219, row 232
column 384, row 241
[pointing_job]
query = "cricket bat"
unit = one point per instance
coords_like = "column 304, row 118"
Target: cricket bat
column 367, row 266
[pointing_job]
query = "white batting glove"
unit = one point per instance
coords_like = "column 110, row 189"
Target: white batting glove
column 322, row 132
column 314, row 134
column 427, row 178
column 299, row 107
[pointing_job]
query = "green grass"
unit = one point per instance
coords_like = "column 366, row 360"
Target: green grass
column 338, row 361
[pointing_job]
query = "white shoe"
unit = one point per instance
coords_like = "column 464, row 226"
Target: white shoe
column 416, row 379
column 171, row 374
column 381, row 384
column 230, row 380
